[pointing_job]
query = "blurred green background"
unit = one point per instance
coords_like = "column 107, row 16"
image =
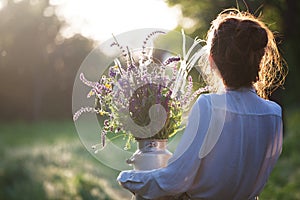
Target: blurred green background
column 41, row 154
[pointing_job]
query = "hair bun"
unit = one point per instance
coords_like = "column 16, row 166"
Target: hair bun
column 259, row 38
column 253, row 33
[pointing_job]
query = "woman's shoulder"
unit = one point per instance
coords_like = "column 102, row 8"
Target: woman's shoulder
column 204, row 99
column 212, row 99
column 251, row 103
column 274, row 107
column 268, row 106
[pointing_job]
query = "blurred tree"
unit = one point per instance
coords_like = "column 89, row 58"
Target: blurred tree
column 291, row 31
column 203, row 12
column 282, row 16
column 37, row 65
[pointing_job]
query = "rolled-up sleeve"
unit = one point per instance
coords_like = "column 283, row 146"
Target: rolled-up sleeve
column 179, row 175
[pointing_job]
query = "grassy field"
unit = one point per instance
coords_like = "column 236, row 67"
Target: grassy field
column 46, row 160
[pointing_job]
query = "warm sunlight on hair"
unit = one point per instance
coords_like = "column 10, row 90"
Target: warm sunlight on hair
column 99, row 19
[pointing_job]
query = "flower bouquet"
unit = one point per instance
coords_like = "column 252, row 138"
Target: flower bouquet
column 140, row 97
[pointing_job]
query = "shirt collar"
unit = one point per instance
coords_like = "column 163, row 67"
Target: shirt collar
column 242, row 89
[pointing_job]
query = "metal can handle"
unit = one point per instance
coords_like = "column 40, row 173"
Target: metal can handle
column 130, row 160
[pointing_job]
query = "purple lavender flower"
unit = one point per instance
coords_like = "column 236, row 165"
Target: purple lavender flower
column 171, row 60
column 112, row 72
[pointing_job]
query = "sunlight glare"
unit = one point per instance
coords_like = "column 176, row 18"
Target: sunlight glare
column 99, row 19
column 3, row 3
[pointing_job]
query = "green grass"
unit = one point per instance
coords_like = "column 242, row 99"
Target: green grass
column 46, row 160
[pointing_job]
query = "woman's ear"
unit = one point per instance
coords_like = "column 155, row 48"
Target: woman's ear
column 211, row 62
column 210, row 56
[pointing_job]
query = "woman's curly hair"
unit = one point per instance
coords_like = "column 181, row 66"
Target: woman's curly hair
column 245, row 52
